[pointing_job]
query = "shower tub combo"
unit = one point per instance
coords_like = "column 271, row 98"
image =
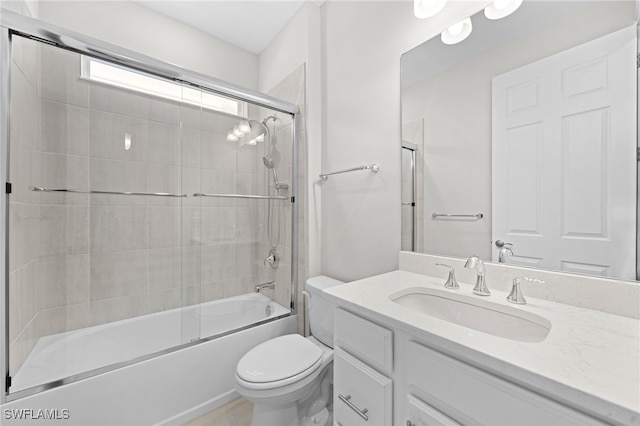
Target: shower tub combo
column 132, row 346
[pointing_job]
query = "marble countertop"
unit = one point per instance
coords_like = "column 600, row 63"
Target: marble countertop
column 590, row 359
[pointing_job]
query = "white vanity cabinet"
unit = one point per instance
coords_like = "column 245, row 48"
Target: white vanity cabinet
column 442, row 390
column 362, row 364
column 425, row 387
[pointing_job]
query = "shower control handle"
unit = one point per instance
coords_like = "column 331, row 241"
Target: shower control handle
column 273, row 259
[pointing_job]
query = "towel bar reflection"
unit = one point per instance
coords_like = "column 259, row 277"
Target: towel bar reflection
column 467, row 216
column 373, row 167
column 82, row 191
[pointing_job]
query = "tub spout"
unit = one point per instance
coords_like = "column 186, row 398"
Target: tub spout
column 259, row 287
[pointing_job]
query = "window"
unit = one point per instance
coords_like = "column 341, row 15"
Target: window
column 113, row 75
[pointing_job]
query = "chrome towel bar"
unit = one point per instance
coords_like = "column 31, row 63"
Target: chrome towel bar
column 82, row 191
column 373, row 167
column 261, row 197
column 476, row 216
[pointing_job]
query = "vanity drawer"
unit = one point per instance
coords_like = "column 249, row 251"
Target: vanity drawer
column 364, row 339
column 471, row 396
column 361, row 395
column 422, row 414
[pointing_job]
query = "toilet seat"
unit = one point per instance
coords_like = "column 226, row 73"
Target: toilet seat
column 278, row 362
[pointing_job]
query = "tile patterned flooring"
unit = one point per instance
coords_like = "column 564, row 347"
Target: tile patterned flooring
column 235, row 413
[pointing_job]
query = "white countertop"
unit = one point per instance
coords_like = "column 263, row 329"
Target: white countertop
column 589, row 360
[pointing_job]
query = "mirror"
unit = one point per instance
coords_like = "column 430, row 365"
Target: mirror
column 526, row 133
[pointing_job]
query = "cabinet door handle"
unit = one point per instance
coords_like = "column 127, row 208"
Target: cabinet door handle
column 346, row 399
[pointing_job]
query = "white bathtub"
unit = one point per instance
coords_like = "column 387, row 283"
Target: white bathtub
column 189, row 381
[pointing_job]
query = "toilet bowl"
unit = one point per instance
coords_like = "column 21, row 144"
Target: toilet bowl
column 289, row 378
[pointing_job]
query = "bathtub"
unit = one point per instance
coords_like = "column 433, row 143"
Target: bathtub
column 186, row 382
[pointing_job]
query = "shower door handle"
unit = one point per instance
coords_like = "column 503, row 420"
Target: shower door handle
column 412, row 204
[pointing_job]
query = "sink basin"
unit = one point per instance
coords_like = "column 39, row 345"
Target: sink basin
column 481, row 315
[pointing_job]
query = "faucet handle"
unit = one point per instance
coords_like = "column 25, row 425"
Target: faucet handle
column 451, row 283
column 516, row 296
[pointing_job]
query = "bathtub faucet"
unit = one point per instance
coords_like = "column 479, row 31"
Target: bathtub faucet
column 270, row 284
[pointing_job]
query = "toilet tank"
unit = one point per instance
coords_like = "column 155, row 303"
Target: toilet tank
column 320, row 310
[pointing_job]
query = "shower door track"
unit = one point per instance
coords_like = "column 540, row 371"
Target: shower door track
column 11, row 24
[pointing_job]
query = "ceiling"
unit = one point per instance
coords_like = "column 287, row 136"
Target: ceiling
column 249, row 25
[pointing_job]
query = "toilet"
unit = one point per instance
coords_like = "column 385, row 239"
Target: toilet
column 290, row 378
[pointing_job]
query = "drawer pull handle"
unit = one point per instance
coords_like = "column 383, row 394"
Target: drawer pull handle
column 346, row 399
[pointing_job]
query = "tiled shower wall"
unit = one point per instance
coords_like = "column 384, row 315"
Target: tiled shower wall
column 79, row 260
column 291, row 89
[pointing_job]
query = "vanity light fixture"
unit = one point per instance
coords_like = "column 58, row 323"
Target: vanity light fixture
column 236, row 131
column 427, row 8
column 249, row 132
column 244, row 127
column 501, row 8
column 456, row 33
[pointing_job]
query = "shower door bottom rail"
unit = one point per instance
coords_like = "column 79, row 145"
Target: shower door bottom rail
column 259, row 197
column 83, row 191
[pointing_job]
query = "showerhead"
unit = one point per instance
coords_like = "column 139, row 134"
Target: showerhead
column 268, row 162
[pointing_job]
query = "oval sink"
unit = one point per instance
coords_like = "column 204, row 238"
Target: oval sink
column 481, row 315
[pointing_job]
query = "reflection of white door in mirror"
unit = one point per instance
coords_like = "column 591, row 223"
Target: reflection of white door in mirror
column 408, row 199
column 412, row 197
column 564, row 144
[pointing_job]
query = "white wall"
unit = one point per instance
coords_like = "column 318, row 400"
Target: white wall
column 129, row 25
column 363, row 42
column 24, row 7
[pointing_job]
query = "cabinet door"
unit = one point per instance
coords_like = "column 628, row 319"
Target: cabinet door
column 362, row 396
column 471, row 396
column 364, row 339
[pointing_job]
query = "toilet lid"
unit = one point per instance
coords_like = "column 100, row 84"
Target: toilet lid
column 278, row 359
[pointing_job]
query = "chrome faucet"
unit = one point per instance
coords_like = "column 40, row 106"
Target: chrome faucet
column 505, row 250
column 451, row 283
column 259, row 287
column 481, row 287
column 515, row 296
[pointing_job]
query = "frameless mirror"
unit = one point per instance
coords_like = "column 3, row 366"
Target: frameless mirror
column 524, row 138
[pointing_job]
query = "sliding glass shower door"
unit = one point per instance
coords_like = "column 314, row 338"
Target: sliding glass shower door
column 138, row 204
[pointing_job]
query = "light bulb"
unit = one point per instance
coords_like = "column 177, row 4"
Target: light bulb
column 427, row 8
column 231, row 137
column 501, row 8
column 260, row 138
column 236, row 131
column 244, row 127
column 457, row 32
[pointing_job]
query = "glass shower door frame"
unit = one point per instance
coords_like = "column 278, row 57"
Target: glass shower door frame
column 5, row 110
column 12, row 23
